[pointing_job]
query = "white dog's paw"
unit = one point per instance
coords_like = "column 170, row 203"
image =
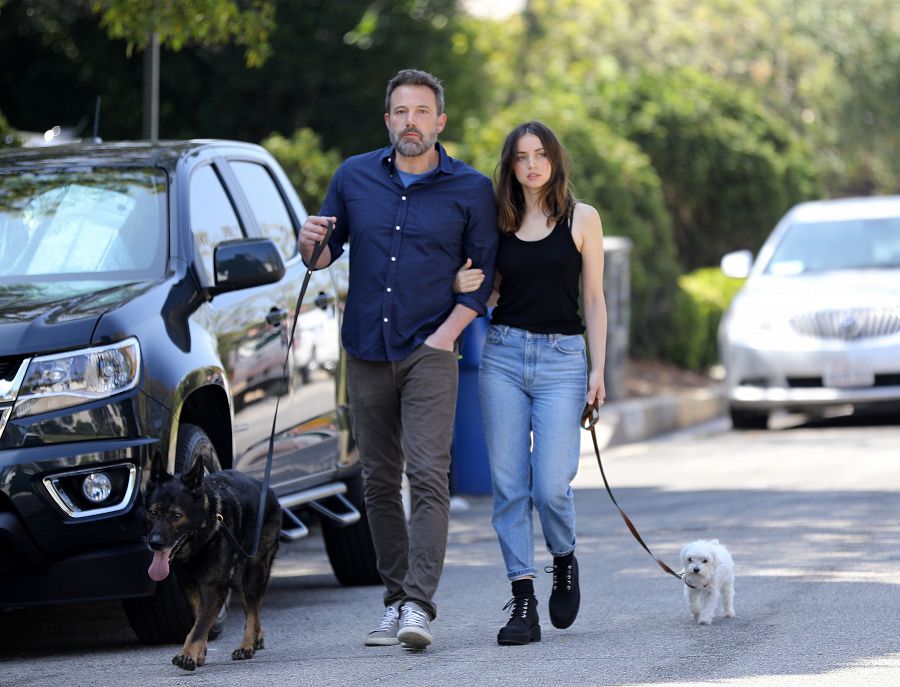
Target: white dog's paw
column 704, row 621
column 730, row 613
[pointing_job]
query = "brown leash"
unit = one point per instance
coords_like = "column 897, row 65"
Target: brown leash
column 589, row 418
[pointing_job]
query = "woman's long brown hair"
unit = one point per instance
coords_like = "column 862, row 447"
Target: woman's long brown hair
column 556, row 195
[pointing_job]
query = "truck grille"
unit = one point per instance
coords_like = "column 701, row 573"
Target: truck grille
column 9, row 367
column 850, row 323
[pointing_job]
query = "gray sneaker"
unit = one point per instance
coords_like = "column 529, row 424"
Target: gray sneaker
column 415, row 626
column 386, row 632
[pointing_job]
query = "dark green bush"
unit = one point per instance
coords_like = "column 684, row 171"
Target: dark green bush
column 729, row 167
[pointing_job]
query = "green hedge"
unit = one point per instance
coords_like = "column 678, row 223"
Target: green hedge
column 701, row 299
column 729, row 167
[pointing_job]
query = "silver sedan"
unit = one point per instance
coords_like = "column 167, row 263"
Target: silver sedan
column 817, row 323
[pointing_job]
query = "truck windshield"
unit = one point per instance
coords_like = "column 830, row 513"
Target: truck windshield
column 84, row 224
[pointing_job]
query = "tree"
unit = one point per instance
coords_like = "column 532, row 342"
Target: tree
column 329, row 67
column 177, row 23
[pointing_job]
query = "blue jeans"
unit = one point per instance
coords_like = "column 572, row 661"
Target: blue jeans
column 532, row 389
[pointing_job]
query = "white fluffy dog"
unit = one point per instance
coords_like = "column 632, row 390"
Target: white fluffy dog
column 708, row 578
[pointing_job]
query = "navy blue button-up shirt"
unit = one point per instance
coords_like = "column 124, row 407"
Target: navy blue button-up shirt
column 406, row 245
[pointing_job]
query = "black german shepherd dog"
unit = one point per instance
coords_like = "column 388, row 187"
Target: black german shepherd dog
column 185, row 515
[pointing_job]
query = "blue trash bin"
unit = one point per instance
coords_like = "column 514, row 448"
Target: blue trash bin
column 470, row 472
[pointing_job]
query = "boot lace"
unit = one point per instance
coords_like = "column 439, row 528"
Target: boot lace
column 518, row 606
column 558, row 575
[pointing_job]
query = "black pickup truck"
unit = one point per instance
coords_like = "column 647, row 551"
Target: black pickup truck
column 147, row 292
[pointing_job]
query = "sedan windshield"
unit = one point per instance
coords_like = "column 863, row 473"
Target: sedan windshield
column 839, row 245
column 84, row 224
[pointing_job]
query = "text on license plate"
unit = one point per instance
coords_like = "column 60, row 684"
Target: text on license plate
column 844, row 376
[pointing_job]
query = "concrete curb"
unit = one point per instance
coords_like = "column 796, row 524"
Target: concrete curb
column 632, row 420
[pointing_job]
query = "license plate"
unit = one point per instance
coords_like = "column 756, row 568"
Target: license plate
column 845, row 376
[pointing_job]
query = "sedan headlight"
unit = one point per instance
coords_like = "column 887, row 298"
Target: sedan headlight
column 61, row 380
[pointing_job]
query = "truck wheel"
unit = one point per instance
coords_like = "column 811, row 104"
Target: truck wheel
column 749, row 419
column 166, row 617
column 350, row 548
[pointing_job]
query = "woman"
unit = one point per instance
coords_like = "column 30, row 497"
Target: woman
column 533, row 378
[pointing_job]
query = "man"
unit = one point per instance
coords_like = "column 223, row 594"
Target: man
column 412, row 216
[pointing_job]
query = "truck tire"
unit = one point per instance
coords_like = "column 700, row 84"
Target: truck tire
column 350, row 550
column 166, row 617
column 748, row 419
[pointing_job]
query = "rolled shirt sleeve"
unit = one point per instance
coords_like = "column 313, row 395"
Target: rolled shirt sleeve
column 481, row 239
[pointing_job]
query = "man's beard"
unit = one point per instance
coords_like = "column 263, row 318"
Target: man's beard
column 409, row 147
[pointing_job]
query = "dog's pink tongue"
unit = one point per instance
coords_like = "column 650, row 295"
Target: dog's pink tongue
column 159, row 568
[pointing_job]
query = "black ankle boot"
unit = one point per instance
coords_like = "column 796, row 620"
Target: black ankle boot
column 523, row 626
column 566, row 596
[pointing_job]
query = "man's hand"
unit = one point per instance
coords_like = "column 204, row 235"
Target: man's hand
column 442, row 343
column 313, row 231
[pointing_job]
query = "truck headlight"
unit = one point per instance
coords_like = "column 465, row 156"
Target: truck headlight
column 61, row 380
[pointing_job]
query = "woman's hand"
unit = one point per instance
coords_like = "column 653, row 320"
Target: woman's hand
column 468, row 279
column 596, row 388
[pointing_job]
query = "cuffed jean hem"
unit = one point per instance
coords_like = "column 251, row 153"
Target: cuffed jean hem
column 564, row 553
column 522, row 573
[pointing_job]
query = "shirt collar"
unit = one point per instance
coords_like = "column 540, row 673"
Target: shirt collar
column 445, row 164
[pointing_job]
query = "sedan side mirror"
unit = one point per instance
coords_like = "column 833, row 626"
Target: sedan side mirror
column 245, row 263
column 737, row 264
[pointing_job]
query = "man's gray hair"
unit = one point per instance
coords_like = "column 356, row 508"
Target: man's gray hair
column 415, row 77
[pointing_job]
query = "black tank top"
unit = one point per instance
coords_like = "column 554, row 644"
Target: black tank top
column 539, row 283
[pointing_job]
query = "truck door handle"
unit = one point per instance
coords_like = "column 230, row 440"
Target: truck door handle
column 323, row 300
column 276, row 316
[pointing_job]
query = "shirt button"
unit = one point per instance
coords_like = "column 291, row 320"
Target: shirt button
column 393, row 259
column 385, row 319
column 389, row 289
column 397, row 227
column 402, row 197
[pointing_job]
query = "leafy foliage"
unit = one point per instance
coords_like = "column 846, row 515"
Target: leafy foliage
column 306, row 164
column 729, row 168
column 179, row 22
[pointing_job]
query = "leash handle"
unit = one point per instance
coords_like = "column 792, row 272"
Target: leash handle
column 317, row 252
column 589, row 418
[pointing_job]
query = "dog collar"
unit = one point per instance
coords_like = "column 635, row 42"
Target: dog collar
column 683, row 576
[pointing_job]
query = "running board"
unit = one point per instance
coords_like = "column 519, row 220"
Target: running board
column 298, row 531
column 346, row 515
column 327, row 500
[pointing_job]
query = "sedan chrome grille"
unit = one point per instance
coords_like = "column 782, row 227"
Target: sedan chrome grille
column 850, row 323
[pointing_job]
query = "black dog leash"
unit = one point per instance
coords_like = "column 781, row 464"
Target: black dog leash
column 317, row 252
column 589, row 418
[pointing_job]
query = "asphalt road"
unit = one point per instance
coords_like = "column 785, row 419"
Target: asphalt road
column 810, row 514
